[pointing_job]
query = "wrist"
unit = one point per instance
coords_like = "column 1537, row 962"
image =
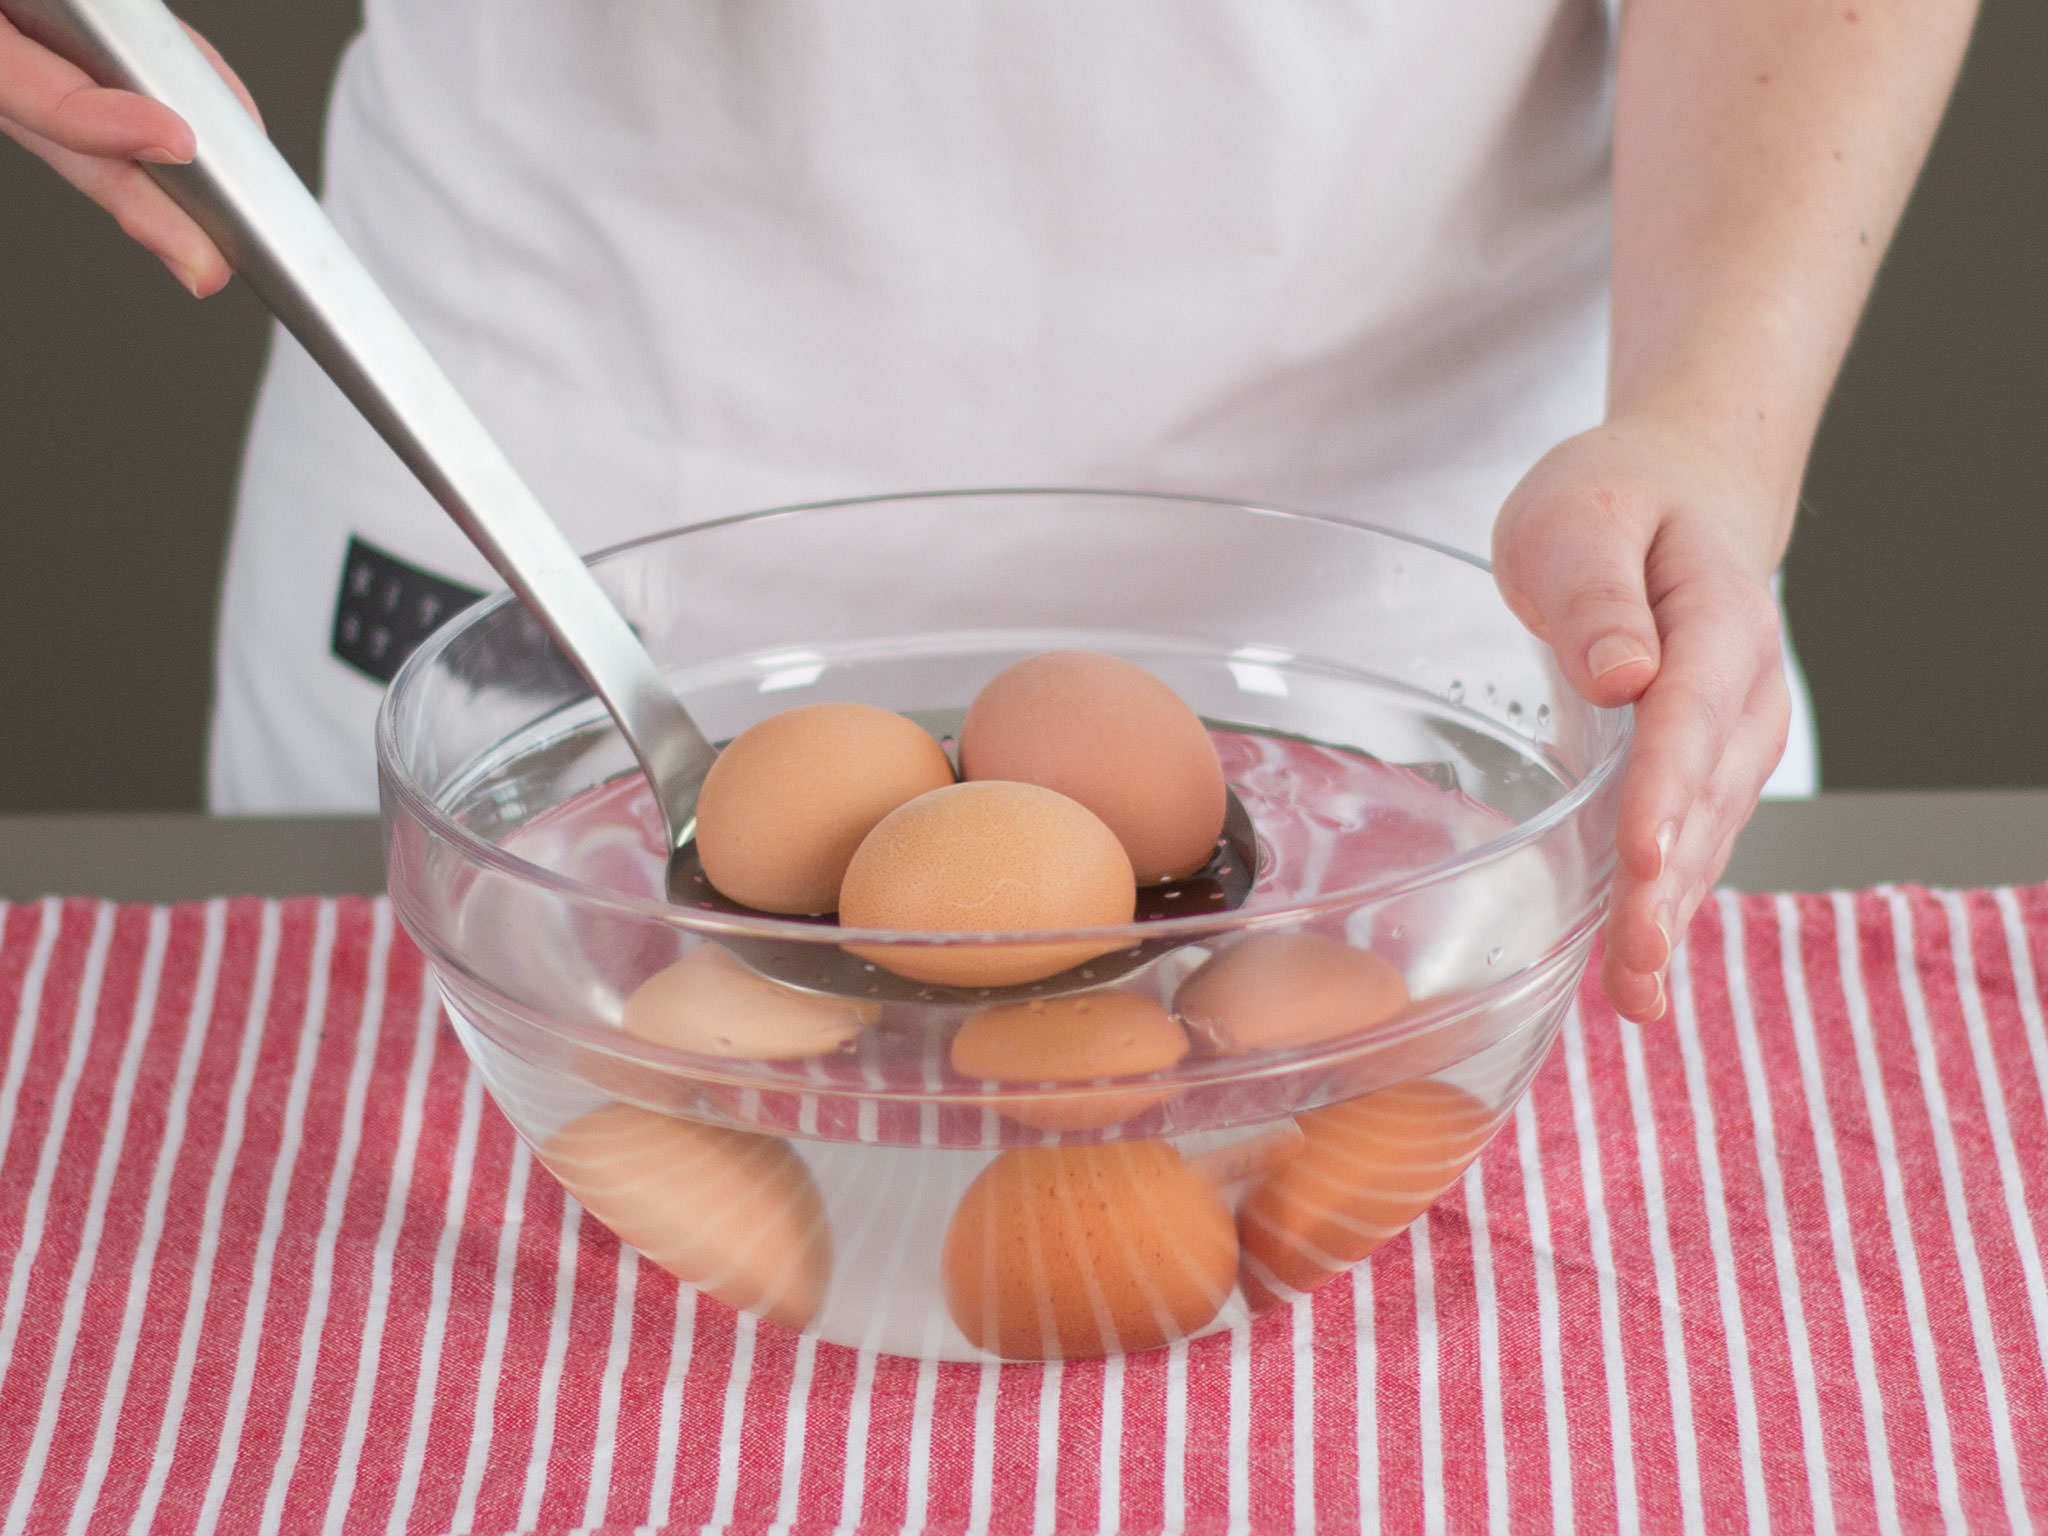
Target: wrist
column 1713, row 472
column 1757, row 418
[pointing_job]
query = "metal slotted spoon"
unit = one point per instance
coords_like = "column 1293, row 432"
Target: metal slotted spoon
column 243, row 193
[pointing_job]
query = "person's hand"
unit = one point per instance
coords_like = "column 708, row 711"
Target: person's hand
column 93, row 138
column 1644, row 561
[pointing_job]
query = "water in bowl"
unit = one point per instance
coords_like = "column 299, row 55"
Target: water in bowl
column 890, row 1137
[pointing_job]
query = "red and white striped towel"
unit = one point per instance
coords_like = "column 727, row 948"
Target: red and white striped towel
column 272, row 1261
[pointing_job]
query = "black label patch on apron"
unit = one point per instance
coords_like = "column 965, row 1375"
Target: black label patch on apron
column 387, row 607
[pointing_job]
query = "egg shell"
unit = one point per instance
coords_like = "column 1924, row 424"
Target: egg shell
column 1078, row 1038
column 787, row 803
column 1270, row 991
column 1060, row 1252
column 730, row 1212
column 1366, row 1169
column 1114, row 737
column 987, row 858
column 713, row 1004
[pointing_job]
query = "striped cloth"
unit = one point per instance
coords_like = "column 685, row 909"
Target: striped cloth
column 272, row 1261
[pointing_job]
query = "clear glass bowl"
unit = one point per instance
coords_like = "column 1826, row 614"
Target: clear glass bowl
column 1434, row 811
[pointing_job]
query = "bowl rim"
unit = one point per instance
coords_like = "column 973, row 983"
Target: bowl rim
column 477, row 850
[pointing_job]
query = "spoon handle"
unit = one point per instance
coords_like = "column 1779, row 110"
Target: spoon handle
column 242, row 192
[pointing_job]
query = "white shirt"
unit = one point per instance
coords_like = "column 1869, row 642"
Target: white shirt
column 689, row 258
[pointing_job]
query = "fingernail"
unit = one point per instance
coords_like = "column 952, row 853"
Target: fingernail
column 1612, row 652
column 1662, row 918
column 184, row 276
column 158, row 155
column 1667, row 839
column 1663, row 1005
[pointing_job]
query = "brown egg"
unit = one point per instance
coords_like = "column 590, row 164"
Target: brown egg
column 730, row 1212
column 711, row 1003
column 1058, row 1252
column 785, row 805
column 1112, row 736
column 1273, row 990
column 1073, row 1039
column 1368, row 1168
column 987, row 858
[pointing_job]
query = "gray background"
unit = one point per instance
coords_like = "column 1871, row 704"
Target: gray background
column 1914, row 580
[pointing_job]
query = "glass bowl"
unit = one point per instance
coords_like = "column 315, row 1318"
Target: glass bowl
column 1230, row 1105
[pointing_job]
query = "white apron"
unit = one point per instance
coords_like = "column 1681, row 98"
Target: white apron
column 693, row 257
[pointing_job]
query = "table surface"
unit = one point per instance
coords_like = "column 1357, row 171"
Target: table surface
column 1779, row 1263
column 1852, row 839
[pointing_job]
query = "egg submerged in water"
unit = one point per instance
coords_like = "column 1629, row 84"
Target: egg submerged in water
column 1366, row 1169
column 1075, row 1039
column 734, row 1213
column 1272, row 991
column 711, row 1003
column 1061, row 1252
